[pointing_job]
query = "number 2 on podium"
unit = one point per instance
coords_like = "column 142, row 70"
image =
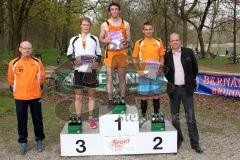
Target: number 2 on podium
column 159, row 143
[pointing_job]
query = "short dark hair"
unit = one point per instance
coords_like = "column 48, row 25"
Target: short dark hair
column 114, row 4
column 85, row 19
column 147, row 24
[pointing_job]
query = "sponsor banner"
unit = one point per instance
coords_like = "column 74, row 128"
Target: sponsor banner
column 208, row 83
column 131, row 80
column 220, row 85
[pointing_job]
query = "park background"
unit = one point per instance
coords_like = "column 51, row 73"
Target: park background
column 211, row 26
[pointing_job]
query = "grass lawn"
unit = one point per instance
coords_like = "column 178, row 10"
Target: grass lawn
column 8, row 121
column 220, row 64
column 49, row 56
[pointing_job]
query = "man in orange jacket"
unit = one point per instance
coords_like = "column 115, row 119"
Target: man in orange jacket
column 25, row 78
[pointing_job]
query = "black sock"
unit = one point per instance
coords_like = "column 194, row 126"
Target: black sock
column 156, row 105
column 144, row 107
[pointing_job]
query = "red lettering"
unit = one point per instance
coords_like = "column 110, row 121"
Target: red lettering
column 219, row 81
column 234, row 83
column 238, row 79
column 212, row 78
column 214, row 90
column 237, row 93
column 220, row 91
column 230, row 93
column 117, row 142
column 206, row 80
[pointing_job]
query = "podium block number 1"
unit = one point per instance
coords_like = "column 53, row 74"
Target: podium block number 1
column 119, row 123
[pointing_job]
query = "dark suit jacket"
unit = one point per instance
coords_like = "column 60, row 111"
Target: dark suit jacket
column 190, row 68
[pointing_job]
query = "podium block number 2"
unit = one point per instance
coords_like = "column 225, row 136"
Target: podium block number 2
column 159, row 142
column 81, row 146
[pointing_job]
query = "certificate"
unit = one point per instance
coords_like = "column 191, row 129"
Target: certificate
column 115, row 40
column 86, row 63
column 151, row 69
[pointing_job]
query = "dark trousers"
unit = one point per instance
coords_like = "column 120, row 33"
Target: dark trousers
column 22, row 118
column 179, row 94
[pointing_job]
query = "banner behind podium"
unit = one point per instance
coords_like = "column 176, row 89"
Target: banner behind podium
column 220, row 85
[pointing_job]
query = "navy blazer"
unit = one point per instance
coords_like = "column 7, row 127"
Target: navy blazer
column 190, row 68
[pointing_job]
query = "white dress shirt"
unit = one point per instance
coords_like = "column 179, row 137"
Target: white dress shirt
column 179, row 72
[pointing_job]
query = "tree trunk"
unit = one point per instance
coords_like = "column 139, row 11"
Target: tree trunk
column 1, row 25
column 16, row 39
column 185, row 33
column 215, row 12
column 201, row 43
column 11, row 24
column 17, row 17
column 65, row 37
column 234, row 31
column 210, row 41
column 165, row 24
column 184, row 15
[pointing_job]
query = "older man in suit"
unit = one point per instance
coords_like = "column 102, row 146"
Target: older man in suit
column 182, row 72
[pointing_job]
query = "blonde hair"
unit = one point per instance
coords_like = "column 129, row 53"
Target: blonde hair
column 85, row 19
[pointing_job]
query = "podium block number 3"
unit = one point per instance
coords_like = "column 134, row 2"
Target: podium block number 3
column 159, row 142
column 81, row 146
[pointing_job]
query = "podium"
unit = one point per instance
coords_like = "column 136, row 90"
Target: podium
column 118, row 134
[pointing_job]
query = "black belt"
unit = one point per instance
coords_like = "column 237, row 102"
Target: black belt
column 179, row 86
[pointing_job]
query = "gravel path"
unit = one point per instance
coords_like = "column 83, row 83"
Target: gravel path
column 219, row 140
column 221, row 147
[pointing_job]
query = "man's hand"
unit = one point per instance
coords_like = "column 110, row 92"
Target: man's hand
column 11, row 89
column 160, row 71
column 95, row 65
column 107, row 40
column 141, row 73
column 77, row 62
column 125, row 43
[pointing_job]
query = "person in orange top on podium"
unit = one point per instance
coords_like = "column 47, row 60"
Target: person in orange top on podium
column 148, row 57
column 115, row 34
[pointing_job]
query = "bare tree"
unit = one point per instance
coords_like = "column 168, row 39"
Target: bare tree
column 199, row 28
column 18, row 12
column 79, row 7
column 184, row 10
column 213, row 23
column 235, row 28
column 1, row 19
column 230, row 22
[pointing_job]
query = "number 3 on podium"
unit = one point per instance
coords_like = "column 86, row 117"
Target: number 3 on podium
column 82, row 148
